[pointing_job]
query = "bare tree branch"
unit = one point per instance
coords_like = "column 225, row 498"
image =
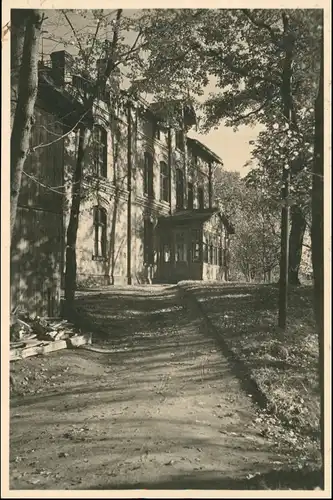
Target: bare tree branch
column 111, row 65
column 247, row 115
column 134, row 47
column 244, row 72
column 54, row 189
column 44, row 145
column 94, row 38
column 74, row 32
column 263, row 25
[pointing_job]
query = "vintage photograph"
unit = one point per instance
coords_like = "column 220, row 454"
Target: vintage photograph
column 167, row 249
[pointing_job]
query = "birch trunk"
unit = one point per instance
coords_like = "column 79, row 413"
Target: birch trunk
column 26, row 98
column 317, row 236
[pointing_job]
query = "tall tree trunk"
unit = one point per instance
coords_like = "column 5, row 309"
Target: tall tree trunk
column 27, row 93
column 17, row 32
column 317, row 235
column 287, row 103
column 296, row 236
column 71, row 237
column 111, row 260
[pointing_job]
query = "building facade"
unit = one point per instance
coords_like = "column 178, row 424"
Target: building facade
column 147, row 209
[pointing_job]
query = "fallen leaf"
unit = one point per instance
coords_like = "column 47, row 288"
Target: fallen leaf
column 34, row 481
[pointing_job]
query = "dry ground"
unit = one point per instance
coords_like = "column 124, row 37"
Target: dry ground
column 161, row 409
column 283, row 364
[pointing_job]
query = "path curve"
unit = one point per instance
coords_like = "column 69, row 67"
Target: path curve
column 162, row 409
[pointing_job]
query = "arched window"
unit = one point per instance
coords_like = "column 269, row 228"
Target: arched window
column 148, row 175
column 190, row 195
column 100, row 227
column 201, row 197
column 179, row 188
column 164, row 181
column 180, row 142
column 100, row 148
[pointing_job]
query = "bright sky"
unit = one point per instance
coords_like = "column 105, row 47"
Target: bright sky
column 232, row 147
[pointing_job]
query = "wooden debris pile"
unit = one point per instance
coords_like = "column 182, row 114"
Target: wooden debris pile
column 24, row 327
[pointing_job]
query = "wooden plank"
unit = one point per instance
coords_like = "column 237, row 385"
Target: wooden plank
column 27, row 352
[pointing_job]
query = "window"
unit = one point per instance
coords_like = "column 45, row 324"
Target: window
column 220, row 251
column 148, row 242
column 215, row 256
column 210, row 251
column 164, row 181
column 100, row 233
column 190, row 196
column 196, row 245
column 205, row 249
column 157, row 133
column 148, row 179
column 214, row 241
column 205, row 252
column 181, row 248
column 201, row 198
column 166, row 253
column 180, row 143
column 179, row 188
column 99, row 138
column 220, row 257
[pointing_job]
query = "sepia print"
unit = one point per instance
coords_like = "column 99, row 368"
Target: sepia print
column 167, row 250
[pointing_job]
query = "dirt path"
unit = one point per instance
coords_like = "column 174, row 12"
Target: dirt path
column 162, row 410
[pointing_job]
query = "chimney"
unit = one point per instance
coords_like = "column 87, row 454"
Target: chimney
column 62, row 63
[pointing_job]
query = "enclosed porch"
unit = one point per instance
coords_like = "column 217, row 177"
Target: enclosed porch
column 192, row 245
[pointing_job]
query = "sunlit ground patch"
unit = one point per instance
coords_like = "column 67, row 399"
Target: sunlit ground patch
column 227, row 296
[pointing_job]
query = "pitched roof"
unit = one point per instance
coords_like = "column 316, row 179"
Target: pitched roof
column 203, row 149
column 163, row 108
column 195, row 215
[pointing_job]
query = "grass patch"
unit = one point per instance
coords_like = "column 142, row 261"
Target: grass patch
column 283, row 365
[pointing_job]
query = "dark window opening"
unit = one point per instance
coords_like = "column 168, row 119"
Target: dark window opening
column 180, row 248
column 164, row 182
column 148, row 187
column 196, row 246
column 190, row 196
column 220, row 256
column 166, row 253
column 100, row 151
column 179, row 189
column 100, row 219
column 201, row 197
column 205, row 252
column 215, row 256
column 148, row 242
column 180, row 142
column 210, row 259
column 157, row 133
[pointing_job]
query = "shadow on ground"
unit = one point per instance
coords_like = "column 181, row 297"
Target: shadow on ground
column 273, row 480
column 162, row 391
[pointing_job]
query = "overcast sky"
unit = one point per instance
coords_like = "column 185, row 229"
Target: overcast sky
column 232, row 147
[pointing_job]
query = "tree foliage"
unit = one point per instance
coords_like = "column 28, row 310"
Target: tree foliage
column 265, row 66
column 255, row 244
